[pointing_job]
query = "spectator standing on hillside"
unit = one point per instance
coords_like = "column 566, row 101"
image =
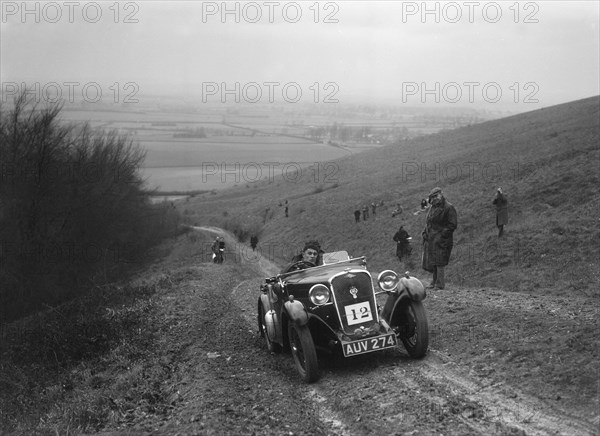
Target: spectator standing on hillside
column 402, row 245
column 365, row 212
column 357, row 215
column 286, row 210
column 501, row 203
column 253, row 242
column 437, row 237
column 373, row 209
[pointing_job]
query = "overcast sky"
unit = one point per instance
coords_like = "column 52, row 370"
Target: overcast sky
column 402, row 52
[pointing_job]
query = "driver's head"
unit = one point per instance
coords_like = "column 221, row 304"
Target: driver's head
column 310, row 252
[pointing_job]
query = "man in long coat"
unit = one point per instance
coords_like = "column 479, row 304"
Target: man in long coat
column 501, row 203
column 437, row 237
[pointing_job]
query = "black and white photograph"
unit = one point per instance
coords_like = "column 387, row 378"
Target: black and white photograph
column 300, row 217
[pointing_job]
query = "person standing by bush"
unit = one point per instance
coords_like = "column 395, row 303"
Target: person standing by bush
column 437, row 237
column 501, row 203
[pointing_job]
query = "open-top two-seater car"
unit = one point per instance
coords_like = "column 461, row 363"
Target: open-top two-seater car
column 334, row 306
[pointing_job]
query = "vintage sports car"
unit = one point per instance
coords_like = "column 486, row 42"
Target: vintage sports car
column 334, row 306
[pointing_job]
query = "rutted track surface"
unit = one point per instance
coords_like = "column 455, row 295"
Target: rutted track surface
column 230, row 384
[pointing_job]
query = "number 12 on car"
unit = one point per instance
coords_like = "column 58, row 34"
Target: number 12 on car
column 358, row 313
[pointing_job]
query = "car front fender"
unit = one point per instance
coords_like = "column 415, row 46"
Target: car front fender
column 414, row 288
column 296, row 312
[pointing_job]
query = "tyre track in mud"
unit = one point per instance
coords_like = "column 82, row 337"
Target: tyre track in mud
column 389, row 393
column 507, row 406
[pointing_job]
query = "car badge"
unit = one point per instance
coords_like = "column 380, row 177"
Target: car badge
column 350, row 276
column 354, row 292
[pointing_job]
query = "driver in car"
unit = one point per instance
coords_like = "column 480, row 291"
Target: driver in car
column 311, row 256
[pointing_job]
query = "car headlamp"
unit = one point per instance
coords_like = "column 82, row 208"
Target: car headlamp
column 319, row 294
column 388, row 280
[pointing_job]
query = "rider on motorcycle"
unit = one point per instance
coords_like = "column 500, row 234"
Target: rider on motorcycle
column 218, row 248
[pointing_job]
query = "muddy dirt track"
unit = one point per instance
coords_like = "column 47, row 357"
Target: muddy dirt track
column 225, row 381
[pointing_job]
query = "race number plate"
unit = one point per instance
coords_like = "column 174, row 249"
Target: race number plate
column 370, row 344
column 358, row 313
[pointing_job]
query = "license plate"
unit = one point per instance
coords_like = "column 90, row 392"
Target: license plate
column 370, row 344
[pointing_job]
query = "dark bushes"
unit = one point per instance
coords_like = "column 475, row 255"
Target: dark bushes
column 73, row 211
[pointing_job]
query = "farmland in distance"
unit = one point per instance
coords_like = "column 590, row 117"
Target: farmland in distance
column 191, row 148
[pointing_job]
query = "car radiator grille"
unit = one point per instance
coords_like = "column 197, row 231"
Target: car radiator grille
column 350, row 289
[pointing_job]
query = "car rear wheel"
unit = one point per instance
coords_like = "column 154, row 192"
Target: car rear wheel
column 273, row 347
column 414, row 329
column 304, row 352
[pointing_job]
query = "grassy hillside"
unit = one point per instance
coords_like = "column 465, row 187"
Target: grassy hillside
column 547, row 162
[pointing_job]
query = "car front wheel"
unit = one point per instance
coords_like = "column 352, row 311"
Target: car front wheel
column 304, row 352
column 414, row 331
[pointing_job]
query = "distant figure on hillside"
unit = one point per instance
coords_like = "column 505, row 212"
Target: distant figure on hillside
column 357, row 215
column 424, row 206
column 374, row 209
column 501, row 203
column 253, row 242
column 365, row 212
column 286, row 210
column 437, row 237
column 403, row 248
column 397, row 211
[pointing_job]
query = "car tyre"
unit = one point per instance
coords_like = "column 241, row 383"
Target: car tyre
column 273, row 347
column 304, row 352
column 414, row 332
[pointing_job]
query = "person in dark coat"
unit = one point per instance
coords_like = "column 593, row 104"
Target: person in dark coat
column 357, row 215
column 501, row 203
column 403, row 248
column 253, row 242
column 437, row 237
column 365, row 211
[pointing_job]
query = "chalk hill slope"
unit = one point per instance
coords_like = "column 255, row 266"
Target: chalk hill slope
column 547, row 161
